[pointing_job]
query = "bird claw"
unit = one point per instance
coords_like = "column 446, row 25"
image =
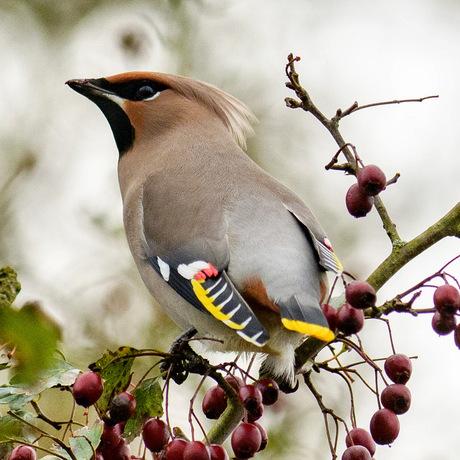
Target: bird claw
column 173, row 366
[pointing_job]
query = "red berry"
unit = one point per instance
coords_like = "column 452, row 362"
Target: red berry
column 384, row 426
column 234, row 381
column 122, row 407
column 361, row 437
column 371, row 180
column 87, row 389
column 443, row 324
column 263, row 434
column 331, row 315
column 156, row 434
column 120, row 452
column 360, row 294
column 397, row 398
column 358, row 203
column 217, row 452
column 446, row 299
column 246, row 440
column 349, row 320
column 196, row 450
column 23, row 453
column 250, row 397
column 398, row 367
column 255, row 413
column 111, row 436
column 356, row 453
column 457, row 336
column 175, row 449
column 214, row 402
column 270, row 391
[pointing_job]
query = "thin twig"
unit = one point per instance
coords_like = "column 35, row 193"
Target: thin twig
column 44, row 433
column 355, row 107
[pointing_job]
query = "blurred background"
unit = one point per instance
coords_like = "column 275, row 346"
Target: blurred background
column 61, row 226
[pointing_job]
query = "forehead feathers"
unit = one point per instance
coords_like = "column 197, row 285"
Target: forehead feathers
column 236, row 116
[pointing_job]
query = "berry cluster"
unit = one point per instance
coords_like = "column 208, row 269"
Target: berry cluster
column 447, row 303
column 349, row 318
column 359, row 198
column 249, row 437
column 384, row 424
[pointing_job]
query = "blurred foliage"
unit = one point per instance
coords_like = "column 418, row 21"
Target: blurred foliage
column 28, row 333
column 9, row 287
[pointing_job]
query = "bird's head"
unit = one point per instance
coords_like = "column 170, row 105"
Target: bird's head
column 132, row 100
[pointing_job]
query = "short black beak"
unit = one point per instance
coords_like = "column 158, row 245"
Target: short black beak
column 88, row 87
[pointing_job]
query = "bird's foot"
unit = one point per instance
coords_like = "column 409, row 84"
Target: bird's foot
column 182, row 360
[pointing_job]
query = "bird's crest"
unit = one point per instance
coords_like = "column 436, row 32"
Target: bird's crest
column 235, row 115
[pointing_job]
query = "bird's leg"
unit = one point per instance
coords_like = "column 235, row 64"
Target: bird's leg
column 180, row 351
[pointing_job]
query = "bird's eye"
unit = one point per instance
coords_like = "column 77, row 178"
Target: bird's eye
column 145, row 92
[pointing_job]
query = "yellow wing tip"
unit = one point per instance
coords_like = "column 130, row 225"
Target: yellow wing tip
column 315, row 330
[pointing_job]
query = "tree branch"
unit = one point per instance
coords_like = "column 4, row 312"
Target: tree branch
column 449, row 225
column 402, row 252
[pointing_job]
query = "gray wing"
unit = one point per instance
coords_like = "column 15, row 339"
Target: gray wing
column 189, row 249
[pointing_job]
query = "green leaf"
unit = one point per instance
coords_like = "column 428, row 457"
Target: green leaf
column 83, row 439
column 17, row 394
column 35, row 337
column 9, row 287
column 149, row 403
column 60, row 451
column 11, row 427
column 115, row 369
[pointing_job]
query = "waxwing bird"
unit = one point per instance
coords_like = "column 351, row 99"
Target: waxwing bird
column 221, row 245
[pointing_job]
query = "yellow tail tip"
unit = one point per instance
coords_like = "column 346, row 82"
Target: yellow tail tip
column 319, row 332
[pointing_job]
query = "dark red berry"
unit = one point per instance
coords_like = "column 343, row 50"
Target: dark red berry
column 457, row 336
column 87, row 389
column 361, row 437
column 398, row 367
column 331, row 315
column 156, row 434
column 246, row 440
column 446, row 299
column 349, row 320
column 270, row 391
column 356, row 453
column 122, row 407
column 23, row 453
column 371, row 180
column 175, row 449
column 443, row 324
column 250, row 396
column 217, row 452
column 397, row 398
column 196, row 450
column 234, row 381
column 120, row 452
column 255, row 414
column 214, row 402
column 111, row 436
column 360, row 294
column 384, row 426
column 358, row 203
column 263, row 434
